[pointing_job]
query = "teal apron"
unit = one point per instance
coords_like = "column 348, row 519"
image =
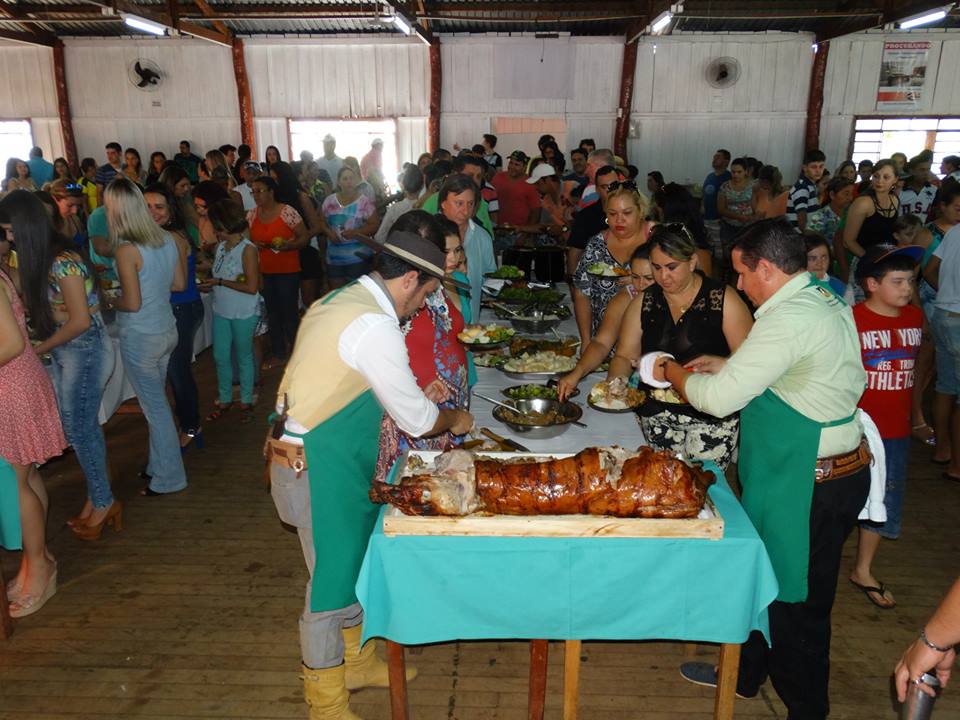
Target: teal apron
column 10, row 532
column 341, row 457
column 777, row 466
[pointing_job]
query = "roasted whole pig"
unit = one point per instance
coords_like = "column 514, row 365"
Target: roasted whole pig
column 595, row 481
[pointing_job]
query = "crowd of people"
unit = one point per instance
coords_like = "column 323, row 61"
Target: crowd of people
column 736, row 302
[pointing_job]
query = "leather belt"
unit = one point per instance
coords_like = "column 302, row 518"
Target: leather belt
column 284, row 454
column 843, row 465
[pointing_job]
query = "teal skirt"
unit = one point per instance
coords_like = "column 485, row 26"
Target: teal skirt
column 10, row 533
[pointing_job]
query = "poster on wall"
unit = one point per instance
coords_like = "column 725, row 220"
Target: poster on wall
column 902, row 73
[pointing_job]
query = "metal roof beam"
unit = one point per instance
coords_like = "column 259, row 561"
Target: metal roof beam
column 164, row 18
column 45, row 39
column 888, row 11
column 13, row 12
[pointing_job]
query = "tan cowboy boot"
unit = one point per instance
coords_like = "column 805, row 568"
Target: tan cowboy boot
column 326, row 694
column 364, row 668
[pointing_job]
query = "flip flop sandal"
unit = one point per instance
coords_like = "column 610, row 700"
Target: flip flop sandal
column 881, row 591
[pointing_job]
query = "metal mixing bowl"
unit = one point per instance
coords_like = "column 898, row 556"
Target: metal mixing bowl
column 535, row 325
column 569, row 412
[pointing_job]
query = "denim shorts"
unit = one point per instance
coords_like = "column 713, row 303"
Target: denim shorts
column 897, row 453
column 946, row 338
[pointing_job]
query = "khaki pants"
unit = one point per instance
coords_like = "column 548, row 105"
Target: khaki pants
column 321, row 639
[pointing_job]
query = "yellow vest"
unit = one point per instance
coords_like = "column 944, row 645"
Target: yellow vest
column 317, row 383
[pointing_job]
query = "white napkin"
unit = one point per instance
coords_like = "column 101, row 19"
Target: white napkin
column 646, row 365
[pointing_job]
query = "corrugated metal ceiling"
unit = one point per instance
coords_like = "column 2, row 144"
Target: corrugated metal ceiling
column 600, row 17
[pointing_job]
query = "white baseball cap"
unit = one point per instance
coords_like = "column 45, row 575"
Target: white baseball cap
column 539, row 172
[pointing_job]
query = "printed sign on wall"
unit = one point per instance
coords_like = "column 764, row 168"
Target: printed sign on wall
column 902, row 73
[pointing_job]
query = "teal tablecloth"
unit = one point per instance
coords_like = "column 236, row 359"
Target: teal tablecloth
column 10, row 535
column 417, row 589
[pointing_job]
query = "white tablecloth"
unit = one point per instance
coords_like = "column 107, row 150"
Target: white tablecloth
column 602, row 428
column 118, row 389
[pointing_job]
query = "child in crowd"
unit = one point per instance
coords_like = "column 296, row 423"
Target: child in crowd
column 890, row 329
column 818, row 261
column 906, row 229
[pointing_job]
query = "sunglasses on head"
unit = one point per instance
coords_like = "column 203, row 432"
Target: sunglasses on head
column 626, row 184
column 677, row 228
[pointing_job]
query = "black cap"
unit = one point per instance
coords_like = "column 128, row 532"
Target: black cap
column 875, row 256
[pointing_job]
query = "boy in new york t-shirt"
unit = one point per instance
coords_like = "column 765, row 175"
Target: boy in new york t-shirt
column 890, row 328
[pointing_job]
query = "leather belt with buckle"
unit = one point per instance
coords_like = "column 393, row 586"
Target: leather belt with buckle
column 843, row 465
column 285, row 455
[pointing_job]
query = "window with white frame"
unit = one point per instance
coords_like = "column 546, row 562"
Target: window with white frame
column 16, row 140
column 353, row 138
column 875, row 138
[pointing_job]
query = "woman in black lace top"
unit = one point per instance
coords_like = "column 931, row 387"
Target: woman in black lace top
column 687, row 315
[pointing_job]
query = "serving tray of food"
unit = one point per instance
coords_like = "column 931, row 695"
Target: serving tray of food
column 598, row 492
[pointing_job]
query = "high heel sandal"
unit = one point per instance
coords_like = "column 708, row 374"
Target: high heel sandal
column 29, row 603
column 194, row 437
column 113, row 517
column 219, row 410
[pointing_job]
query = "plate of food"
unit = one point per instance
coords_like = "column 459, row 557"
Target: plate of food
column 615, row 396
column 538, row 365
column 485, row 336
column 515, row 295
column 567, row 345
column 506, row 272
column 490, row 359
column 667, row 395
column 601, row 269
column 534, row 391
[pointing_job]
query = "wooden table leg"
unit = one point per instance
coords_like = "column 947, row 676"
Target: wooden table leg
column 6, row 623
column 397, row 670
column 571, row 678
column 537, row 699
column 727, row 672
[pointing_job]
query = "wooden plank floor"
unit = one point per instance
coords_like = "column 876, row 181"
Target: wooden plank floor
column 191, row 612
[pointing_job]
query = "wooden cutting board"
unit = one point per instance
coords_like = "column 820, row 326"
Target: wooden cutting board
column 708, row 525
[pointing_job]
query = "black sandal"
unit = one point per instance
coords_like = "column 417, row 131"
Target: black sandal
column 246, row 414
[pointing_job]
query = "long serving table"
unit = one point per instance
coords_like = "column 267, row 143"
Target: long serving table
column 429, row 589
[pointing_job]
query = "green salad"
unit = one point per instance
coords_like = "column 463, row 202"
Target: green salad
column 507, row 272
column 526, row 295
column 531, row 392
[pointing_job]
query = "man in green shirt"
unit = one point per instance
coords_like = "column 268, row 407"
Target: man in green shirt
column 803, row 466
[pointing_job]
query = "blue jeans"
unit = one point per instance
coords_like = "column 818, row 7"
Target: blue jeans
column 82, row 367
column 897, row 452
column 189, row 315
column 145, row 358
column 946, row 339
column 233, row 339
column 281, row 295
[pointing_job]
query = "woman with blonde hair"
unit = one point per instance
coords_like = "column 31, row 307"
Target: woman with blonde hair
column 626, row 210
column 149, row 268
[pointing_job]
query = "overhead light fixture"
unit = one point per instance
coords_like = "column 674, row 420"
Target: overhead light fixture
column 401, row 24
column 931, row 16
column 143, row 25
column 661, row 23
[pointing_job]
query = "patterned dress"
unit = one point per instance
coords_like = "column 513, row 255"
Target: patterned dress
column 435, row 353
column 30, row 430
column 600, row 290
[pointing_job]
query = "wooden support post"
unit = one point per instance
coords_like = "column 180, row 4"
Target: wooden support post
column 436, row 80
column 63, row 108
column 537, row 694
column 815, row 99
column 626, row 99
column 6, row 623
column 727, row 672
column 571, row 678
column 247, row 133
column 397, row 672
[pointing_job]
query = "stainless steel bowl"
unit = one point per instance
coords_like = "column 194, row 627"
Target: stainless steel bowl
column 535, row 325
column 568, row 411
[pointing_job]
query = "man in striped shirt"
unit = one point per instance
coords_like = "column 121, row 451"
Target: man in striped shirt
column 803, row 199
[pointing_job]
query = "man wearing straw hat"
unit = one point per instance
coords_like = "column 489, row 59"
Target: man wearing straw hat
column 349, row 366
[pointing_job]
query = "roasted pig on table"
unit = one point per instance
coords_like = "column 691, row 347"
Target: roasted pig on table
column 595, row 481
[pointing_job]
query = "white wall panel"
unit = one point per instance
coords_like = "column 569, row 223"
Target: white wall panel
column 853, row 71
column 470, row 102
column 327, row 79
column 27, row 92
column 680, row 119
column 197, row 101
